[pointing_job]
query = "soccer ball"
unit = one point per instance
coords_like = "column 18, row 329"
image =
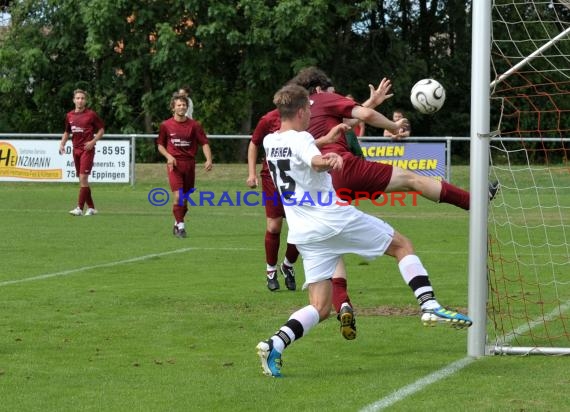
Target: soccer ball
column 427, row 96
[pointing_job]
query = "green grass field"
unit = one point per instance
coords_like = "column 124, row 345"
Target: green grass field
column 112, row 313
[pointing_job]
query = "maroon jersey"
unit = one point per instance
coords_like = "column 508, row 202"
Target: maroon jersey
column 327, row 111
column 181, row 139
column 269, row 123
column 82, row 126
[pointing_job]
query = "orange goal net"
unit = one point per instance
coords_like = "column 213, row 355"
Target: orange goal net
column 529, row 221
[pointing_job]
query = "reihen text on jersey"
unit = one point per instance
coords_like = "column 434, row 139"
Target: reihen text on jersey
column 280, row 152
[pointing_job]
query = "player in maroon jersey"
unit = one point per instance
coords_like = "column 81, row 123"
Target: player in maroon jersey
column 178, row 140
column 274, row 211
column 85, row 128
column 328, row 109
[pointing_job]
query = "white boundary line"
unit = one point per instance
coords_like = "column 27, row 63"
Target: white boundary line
column 418, row 385
column 122, row 262
column 110, row 264
column 450, row 369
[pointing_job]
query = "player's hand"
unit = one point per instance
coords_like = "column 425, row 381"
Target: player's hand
column 338, row 129
column 89, row 145
column 333, row 135
column 61, row 149
column 208, row 166
column 251, row 182
column 333, row 160
column 171, row 163
column 381, row 93
column 402, row 124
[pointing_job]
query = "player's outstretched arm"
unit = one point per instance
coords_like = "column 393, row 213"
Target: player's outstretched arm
column 376, row 119
column 380, row 94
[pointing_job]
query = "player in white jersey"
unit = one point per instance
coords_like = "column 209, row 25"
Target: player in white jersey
column 324, row 228
column 314, row 212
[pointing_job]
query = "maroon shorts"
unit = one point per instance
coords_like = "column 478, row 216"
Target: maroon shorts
column 83, row 160
column 183, row 175
column 273, row 206
column 360, row 175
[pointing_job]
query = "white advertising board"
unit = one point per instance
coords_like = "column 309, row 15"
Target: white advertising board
column 40, row 161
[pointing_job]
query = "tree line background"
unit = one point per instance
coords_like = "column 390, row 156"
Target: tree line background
column 131, row 55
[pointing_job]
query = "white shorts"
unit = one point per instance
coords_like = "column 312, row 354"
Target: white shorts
column 365, row 235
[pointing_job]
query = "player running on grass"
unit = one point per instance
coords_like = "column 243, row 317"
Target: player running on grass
column 325, row 231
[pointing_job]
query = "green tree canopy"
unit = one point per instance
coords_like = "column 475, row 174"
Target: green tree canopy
column 132, row 55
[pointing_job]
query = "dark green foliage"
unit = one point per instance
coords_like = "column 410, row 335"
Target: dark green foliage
column 131, row 56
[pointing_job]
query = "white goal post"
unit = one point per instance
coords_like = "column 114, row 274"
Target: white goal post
column 519, row 245
column 479, row 133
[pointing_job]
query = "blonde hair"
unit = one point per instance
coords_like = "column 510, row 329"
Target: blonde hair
column 76, row 91
column 289, row 99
